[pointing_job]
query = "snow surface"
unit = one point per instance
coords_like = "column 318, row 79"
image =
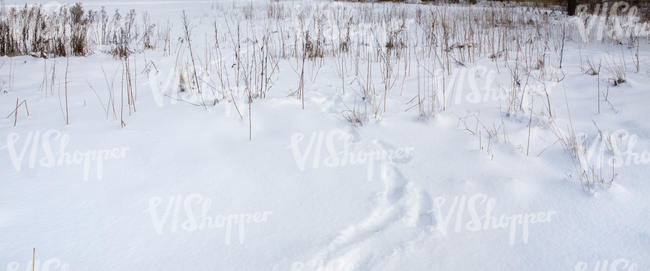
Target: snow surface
column 272, row 210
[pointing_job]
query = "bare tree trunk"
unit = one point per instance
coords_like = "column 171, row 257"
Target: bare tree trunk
column 571, row 7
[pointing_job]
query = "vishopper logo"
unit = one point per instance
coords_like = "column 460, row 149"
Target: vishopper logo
column 615, row 149
column 339, row 23
column 328, row 17
column 169, row 89
column 619, row 21
column 334, row 149
column 480, row 217
column 52, row 6
column 192, row 213
column 175, row 90
column 619, row 264
column 476, row 84
column 49, row 149
column 51, row 264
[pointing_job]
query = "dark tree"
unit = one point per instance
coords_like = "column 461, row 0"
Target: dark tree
column 571, row 7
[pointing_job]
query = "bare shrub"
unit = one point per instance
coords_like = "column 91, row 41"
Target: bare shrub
column 355, row 116
column 592, row 69
column 618, row 71
column 122, row 37
column 79, row 30
column 588, row 168
column 148, row 32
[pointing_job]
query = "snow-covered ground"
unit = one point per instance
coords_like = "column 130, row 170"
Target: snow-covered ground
column 473, row 179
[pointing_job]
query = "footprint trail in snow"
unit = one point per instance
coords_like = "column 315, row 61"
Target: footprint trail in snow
column 402, row 213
